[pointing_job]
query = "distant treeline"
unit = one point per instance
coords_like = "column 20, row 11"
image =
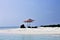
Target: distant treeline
column 54, row 25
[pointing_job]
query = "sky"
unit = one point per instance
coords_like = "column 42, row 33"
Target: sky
column 14, row 12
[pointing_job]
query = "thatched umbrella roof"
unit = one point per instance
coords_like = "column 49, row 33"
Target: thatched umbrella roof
column 29, row 20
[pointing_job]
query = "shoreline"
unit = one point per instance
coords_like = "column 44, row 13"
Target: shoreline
column 40, row 30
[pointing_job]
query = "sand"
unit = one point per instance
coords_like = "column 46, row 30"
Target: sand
column 40, row 30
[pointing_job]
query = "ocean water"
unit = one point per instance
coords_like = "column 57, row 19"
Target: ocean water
column 8, row 27
column 27, row 37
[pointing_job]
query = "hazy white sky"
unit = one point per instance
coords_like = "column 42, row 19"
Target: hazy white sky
column 14, row 12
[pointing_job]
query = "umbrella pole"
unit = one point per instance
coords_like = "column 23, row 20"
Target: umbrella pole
column 27, row 24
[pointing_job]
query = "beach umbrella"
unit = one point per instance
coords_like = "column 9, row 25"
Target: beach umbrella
column 28, row 21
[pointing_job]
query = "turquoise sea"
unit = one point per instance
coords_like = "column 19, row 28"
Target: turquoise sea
column 27, row 37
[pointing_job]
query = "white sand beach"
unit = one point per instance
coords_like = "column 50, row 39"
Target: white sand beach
column 41, row 30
